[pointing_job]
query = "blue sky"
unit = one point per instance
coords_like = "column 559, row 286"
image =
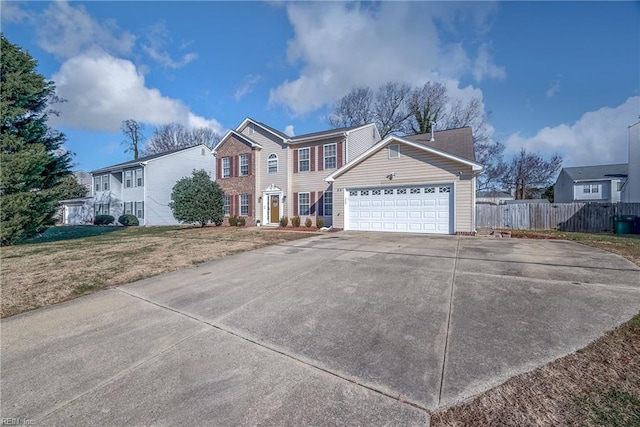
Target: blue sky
column 556, row 76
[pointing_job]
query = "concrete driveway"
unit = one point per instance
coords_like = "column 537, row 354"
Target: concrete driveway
column 344, row 328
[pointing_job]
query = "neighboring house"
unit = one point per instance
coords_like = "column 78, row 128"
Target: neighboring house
column 76, row 211
column 143, row 187
column 527, row 202
column 415, row 184
column 601, row 183
column 266, row 174
column 493, row 197
column 631, row 190
column 85, row 179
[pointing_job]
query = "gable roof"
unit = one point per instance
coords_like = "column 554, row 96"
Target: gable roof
column 238, row 135
column 599, row 172
column 143, row 159
column 300, row 138
column 476, row 167
column 457, row 141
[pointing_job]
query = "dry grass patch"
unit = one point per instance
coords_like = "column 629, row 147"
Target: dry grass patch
column 596, row 386
column 39, row 274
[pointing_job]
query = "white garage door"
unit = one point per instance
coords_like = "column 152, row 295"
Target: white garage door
column 415, row 209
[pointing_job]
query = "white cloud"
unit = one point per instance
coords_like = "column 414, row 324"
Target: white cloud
column 66, row 31
column 484, row 66
column 343, row 45
column 599, row 137
column 12, row 12
column 157, row 39
column 553, row 88
column 102, row 90
column 289, row 130
column 248, row 84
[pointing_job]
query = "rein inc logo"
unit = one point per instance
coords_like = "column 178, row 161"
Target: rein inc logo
column 17, row 422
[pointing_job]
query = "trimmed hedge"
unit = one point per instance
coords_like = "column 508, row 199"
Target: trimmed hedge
column 128, row 220
column 103, row 220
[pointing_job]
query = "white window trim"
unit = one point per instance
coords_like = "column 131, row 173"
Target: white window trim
column 240, row 165
column 308, row 160
column 244, row 205
column 128, row 176
column 274, row 159
column 308, row 204
column 334, row 156
column 324, row 203
column 135, row 207
column 228, row 161
column 397, row 151
column 226, row 198
column 136, row 177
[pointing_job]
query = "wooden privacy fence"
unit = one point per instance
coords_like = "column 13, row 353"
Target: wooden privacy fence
column 581, row 217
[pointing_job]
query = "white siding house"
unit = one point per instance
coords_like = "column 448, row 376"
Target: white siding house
column 631, row 190
column 143, row 187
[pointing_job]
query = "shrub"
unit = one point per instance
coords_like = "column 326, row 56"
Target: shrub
column 104, row 220
column 197, row 199
column 307, row 222
column 295, row 221
column 128, row 220
column 233, row 221
column 242, row 221
column 284, row 221
column 218, row 221
column 319, row 223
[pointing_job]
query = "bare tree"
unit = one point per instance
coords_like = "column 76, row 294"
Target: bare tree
column 530, row 170
column 392, row 107
column 174, row 135
column 133, row 132
column 353, row 109
column 427, row 106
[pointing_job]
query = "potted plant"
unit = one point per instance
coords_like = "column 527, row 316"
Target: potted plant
column 257, row 223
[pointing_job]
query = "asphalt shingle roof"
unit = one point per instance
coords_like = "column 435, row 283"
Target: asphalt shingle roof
column 586, row 173
column 458, row 142
column 140, row 159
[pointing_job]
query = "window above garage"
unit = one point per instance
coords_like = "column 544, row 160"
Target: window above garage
column 394, row 151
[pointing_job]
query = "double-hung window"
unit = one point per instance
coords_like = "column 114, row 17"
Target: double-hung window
column 586, row 189
column 595, row 188
column 139, row 206
column 244, row 205
column 128, row 179
column 128, row 208
column 244, row 164
column 330, row 156
column 303, row 204
column 139, row 177
column 97, row 183
column 226, row 205
column 327, row 203
column 226, row 167
column 394, row 151
column 105, row 182
column 303, row 160
column 272, row 163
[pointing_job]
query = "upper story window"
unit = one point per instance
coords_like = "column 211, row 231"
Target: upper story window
column 133, row 178
column 226, row 167
column 272, row 163
column 303, row 160
column 330, row 156
column 101, row 182
column 244, row 164
column 139, row 177
column 394, row 151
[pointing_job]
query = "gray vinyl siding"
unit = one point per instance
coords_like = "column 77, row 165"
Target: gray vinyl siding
column 632, row 187
column 161, row 174
column 264, row 179
column 259, row 135
column 563, row 189
column 361, row 140
column 414, row 166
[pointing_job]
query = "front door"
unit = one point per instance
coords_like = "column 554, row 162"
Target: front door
column 275, row 208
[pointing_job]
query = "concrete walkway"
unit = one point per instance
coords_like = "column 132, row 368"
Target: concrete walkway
column 345, row 328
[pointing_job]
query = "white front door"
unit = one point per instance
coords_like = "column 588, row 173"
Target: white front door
column 410, row 209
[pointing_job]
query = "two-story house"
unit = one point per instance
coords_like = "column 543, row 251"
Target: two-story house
column 602, row 183
column 143, row 187
column 266, row 174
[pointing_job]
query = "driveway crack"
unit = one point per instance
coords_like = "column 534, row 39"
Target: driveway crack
column 446, row 342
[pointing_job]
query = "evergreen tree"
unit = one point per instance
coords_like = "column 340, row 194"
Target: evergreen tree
column 31, row 154
column 197, row 199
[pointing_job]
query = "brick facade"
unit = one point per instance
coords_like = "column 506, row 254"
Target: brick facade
column 237, row 185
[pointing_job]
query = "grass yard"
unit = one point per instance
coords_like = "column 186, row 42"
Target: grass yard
column 64, row 263
column 596, row 386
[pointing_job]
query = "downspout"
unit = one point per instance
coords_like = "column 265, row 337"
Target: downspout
column 144, row 192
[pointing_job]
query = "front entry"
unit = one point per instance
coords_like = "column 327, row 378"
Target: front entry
column 274, row 204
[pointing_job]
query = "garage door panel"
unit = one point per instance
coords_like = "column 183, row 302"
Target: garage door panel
column 416, row 209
